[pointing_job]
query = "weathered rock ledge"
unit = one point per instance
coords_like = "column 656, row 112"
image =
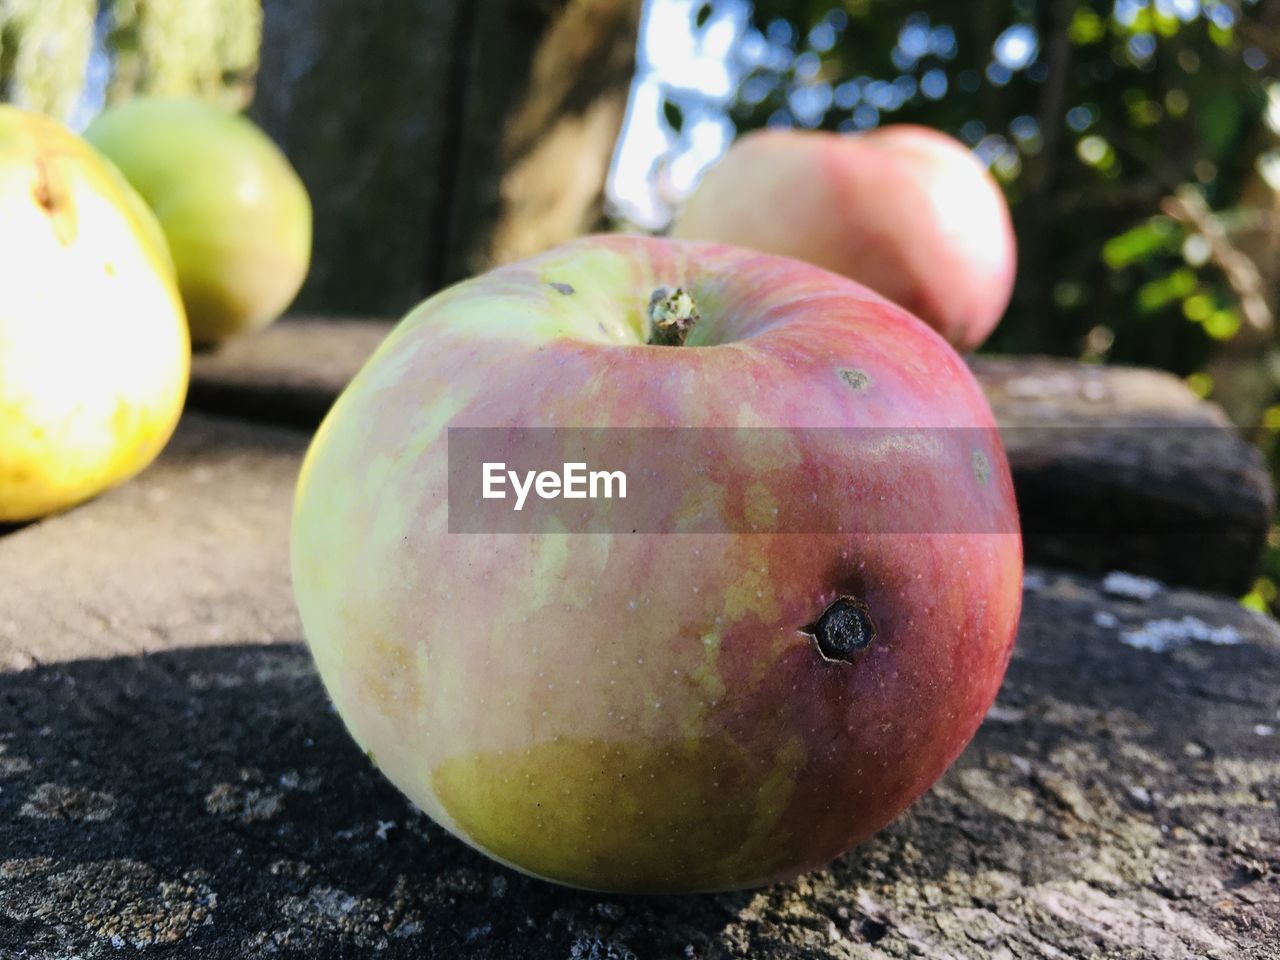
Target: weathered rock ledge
column 173, row 782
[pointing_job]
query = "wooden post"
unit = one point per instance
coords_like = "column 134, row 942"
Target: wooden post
column 437, row 137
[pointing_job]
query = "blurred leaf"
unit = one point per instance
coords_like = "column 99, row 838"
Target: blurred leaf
column 1068, row 295
column 1165, row 24
column 1086, row 27
column 703, row 15
column 1222, row 36
column 1197, row 308
column 1160, row 293
column 1146, row 240
column 1255, row 601
column 674, row 115
column 1201, row 384
column 1223, row 324
column 1219, row 121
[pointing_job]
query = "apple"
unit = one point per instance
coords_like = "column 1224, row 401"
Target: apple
column 237, row 217
column 906, row 210
column 678, row 711
column 94, row 354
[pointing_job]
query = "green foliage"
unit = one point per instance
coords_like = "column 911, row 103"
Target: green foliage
column 1127, row 135
column 1157, row 236
column 1088, row 113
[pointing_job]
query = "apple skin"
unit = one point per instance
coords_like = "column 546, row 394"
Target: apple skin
column 641, row 713
column 906, row 210
column 236, row 215
column 94, row 355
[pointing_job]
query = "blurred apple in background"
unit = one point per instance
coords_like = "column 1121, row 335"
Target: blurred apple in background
column 906, row 210
column 94, row 354
column 235, row 213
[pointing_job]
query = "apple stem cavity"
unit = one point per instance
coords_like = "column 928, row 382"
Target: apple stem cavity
column 844, row 629
column 672, row 315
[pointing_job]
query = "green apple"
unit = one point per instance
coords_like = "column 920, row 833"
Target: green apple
column 235, row 213
column 94, row 352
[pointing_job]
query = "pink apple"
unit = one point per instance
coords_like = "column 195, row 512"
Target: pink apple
column 906, row 210
column 665, row 712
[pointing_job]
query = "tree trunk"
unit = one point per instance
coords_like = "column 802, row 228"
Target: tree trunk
column 44, row 48
column 557, row 147
column 206, row 48
column 438, row 137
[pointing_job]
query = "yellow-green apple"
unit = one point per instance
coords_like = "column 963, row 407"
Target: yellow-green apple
column 236, row 215
column 668, row 711
column 906, row 210
column 94, row 352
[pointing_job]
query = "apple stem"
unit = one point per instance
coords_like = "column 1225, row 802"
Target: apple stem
column 672, row 315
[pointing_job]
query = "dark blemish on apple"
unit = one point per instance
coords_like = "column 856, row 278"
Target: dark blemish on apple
column 844, row 629
column 54, row 199
column 42, row 191
column 564, row 288
column 981, row 467
column 856, row 379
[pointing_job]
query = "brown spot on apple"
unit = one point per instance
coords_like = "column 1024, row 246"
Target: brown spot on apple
column 54, row 199
column 857, row 379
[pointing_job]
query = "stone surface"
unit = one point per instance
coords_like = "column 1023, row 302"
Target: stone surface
column 1114, row 467
column 192, row 552
column 289, row 372
column 173, row 780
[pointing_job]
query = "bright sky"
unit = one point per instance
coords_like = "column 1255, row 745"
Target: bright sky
column 703, row 68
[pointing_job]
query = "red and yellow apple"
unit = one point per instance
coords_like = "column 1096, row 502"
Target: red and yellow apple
column 94, row 354
column 236, row 215
column 665, row 712
column 906, row 210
